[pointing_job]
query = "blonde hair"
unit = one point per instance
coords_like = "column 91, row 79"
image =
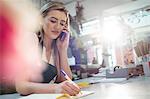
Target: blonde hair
column 53, row 5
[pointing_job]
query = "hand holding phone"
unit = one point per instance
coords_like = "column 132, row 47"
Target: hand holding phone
column 62, row 36
column 63, row 41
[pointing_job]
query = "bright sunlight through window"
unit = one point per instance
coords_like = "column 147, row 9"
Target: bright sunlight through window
column 112, row 29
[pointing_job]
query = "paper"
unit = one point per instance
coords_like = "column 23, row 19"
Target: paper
column 54, row 96
column 113, row 80
column 84, row 93
column 41, row 96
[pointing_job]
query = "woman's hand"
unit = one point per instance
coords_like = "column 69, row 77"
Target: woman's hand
column 67, row 87
column 62, row 45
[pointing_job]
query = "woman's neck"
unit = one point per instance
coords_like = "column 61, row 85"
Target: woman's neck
column 47, row 43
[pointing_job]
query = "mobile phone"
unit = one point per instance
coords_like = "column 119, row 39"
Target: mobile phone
column 62, row 36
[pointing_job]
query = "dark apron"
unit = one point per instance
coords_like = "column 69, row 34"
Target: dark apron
column 49, row 73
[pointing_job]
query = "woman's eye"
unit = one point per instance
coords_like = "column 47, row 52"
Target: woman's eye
column 62, row 24
column 53, row 21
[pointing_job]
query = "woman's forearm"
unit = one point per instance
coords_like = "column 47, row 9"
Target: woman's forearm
column 26, row 88
column 64, row 64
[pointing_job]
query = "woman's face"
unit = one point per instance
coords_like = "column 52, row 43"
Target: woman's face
column 54, row 23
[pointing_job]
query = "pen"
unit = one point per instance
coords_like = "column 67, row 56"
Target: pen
column 67, row 77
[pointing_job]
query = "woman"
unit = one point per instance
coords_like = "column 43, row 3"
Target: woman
column 54, row 53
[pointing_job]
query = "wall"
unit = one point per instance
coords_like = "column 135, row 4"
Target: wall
column 94, row 8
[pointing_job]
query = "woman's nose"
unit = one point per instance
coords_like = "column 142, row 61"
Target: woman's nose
column 57, row 26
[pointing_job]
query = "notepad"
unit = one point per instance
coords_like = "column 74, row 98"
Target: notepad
column 54, row 96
